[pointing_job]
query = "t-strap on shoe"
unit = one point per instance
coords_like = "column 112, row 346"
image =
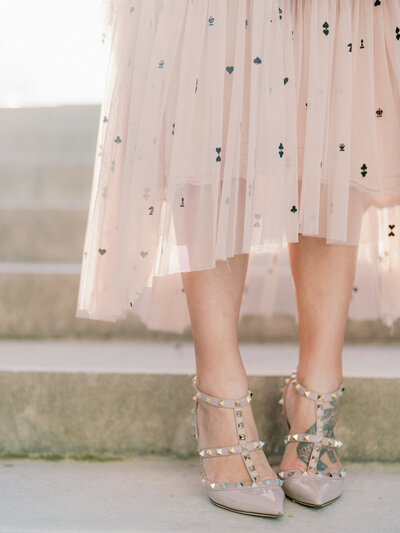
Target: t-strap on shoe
column 260, row 498
column 313, row 487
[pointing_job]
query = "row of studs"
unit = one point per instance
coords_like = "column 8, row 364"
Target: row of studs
column 313, row 395
column 240, row 425
column 218, row 402
column 244, row 447
column 217, row 486
column 305, row 437
column 228, row 450
column 284, row 475
column 316, row 451
column 240, row 431
column 223, row 403
column 318, row 439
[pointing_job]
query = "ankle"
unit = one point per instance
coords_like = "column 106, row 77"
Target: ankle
column 322, row 380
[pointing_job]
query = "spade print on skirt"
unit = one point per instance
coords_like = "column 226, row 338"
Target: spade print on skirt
column 364, row 170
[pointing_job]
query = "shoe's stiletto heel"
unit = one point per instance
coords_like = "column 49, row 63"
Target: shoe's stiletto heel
column 312, row 487
column 260, row 498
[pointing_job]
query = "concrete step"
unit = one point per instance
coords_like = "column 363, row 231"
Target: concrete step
column 115, row 399
column 38, row 300
column 158, row 494
column 42, row 235
column 46, row 164
column 41, row 136
column 24, row 182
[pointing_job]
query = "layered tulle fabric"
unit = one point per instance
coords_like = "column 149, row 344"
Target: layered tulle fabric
column 233, row 126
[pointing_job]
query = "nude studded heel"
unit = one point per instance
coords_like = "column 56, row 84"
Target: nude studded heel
column 260, row 498
column 312, row 487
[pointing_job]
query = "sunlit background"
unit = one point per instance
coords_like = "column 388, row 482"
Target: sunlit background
column 51, row 52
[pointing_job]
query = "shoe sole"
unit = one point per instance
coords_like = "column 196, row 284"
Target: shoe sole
column 312, row 504
column 264, row 515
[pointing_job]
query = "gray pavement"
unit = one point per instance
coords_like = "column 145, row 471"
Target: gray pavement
column 158, row 494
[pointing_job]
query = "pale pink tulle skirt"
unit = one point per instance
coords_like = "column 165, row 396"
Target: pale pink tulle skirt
column 231, row 126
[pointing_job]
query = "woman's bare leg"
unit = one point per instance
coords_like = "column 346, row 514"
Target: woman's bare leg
column 214, row 297
column 323, row 276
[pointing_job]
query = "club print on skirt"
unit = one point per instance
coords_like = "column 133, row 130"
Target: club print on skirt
column 232, row 126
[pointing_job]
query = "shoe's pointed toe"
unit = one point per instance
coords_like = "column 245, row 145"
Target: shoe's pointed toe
column 261, row 501
column 315, row 492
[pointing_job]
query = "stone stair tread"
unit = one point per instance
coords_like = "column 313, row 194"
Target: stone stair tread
column 141, row 357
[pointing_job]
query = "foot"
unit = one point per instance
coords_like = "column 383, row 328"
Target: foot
column 300, row 413
column 216, row 428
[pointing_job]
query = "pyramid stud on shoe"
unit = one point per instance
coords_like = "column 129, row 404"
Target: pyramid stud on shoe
column 260, row 498
column 313, row 487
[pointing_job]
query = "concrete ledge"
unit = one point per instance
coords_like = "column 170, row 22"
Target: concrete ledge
column 148, row 357
column 49, row 312
column 119, row 412
column 35, row 235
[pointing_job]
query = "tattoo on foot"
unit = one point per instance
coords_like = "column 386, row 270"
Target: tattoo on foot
column 304, row 449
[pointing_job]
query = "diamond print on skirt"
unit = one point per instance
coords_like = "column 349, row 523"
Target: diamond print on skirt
column 231, row 126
